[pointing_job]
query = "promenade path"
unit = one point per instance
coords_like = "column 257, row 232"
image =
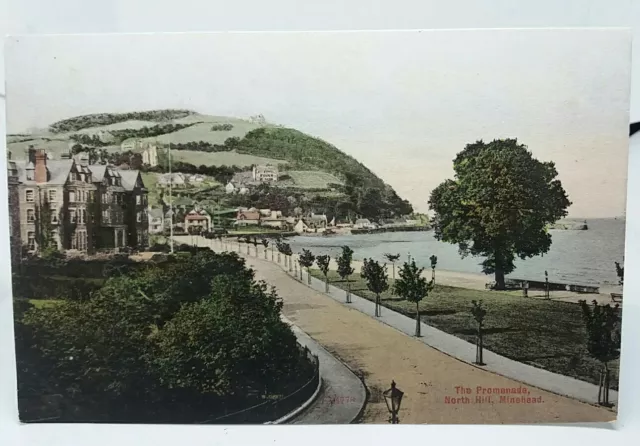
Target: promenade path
column 432, row 381
column 342, row 394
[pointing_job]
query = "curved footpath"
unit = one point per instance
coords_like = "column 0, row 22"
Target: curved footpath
column 342, row 395
column 438, row 387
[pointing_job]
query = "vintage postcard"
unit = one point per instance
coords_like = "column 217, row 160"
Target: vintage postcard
column 318, row 228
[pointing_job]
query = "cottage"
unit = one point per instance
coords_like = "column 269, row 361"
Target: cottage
column 247, row 218
column 230, row 188
column 301, row 227
column 155, row 217
column 197, row 219
column 364, row 223
column 273, row 220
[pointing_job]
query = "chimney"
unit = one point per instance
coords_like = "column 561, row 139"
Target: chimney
column 41, row 166
column 31, row 154
column 83, row 159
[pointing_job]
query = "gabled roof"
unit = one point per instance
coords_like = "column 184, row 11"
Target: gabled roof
column 58, row 171
column 155, row 212
column 130, row 178
column 97, row 172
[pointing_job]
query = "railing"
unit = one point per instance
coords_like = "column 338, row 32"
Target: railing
column 273, row 410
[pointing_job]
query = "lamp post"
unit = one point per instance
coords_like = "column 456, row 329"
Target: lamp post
column 393, row 398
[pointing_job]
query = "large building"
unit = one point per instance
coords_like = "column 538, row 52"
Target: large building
column 68, row 205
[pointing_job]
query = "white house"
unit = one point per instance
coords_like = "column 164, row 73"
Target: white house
column 364, row 223
column 301, row 227
column 156, row 220
column 229, row 188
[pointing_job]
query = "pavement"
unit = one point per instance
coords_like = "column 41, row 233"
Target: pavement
column 436, row 373
column 342, row 394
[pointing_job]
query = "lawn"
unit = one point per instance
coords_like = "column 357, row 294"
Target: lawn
column 546, row 334
column 309, row 179
column 220, row 158
column 151, row 183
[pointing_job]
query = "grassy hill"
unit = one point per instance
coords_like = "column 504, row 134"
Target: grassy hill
column 308, row 164
column 221, row 158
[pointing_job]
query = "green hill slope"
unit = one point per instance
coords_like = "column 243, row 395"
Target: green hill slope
column 305, row 152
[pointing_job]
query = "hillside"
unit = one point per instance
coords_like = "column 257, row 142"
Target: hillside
column 327, row 178
column 305, row 152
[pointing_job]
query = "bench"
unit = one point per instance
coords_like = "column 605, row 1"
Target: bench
column 616, row 297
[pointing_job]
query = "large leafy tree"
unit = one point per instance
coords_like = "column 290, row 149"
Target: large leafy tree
column 498, row 205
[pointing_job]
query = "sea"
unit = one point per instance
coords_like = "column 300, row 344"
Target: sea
column 575, row 257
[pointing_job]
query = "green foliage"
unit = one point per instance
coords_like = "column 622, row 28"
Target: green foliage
column 344, row 263
column 323, row 263
column 89, row 140
column 306, row 258
column 434, row 261
column 392, row 257
column 94, row 120
column 411, row 285
column 163, row 343
column 375, row 275
column 603, row 330
column 221, row 127
column 478, row 311
column 148, row 132
column 368, row 193
column 499, row 205
column 265, row 242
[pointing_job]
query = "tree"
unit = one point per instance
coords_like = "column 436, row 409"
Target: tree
column 434, row 262
column 287, row 252
column 413, row 287
column 376, row 277
column 620, row 273
column 254, row 241
column 499, row 205
column 479, row 312
column 306, row 260
column 44, row 229
column 265, row 243
column 393, row 258
column 345, row 269
column 603, row 341
column 323, row 264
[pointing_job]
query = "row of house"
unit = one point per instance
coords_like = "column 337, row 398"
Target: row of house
column 73, row 205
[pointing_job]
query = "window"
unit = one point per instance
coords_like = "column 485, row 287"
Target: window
column 91, row 196
column 104, row 197
column 31, row 240
column 53, row 195
column 72, row 196
column 139, row 217
column 138, row 199
column 81, row 216
column 29, row 196
column 31, row 215
column 82, row 177
column 54, row 214
column 72, row 215
column 105, row 216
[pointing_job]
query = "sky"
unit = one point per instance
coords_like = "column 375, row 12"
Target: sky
column 404, row 103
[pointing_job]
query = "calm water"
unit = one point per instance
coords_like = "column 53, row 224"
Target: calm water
column 577, row 257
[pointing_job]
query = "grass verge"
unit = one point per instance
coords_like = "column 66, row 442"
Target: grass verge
column 547, row 334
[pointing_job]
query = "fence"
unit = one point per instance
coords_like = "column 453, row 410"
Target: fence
column 273, row 410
